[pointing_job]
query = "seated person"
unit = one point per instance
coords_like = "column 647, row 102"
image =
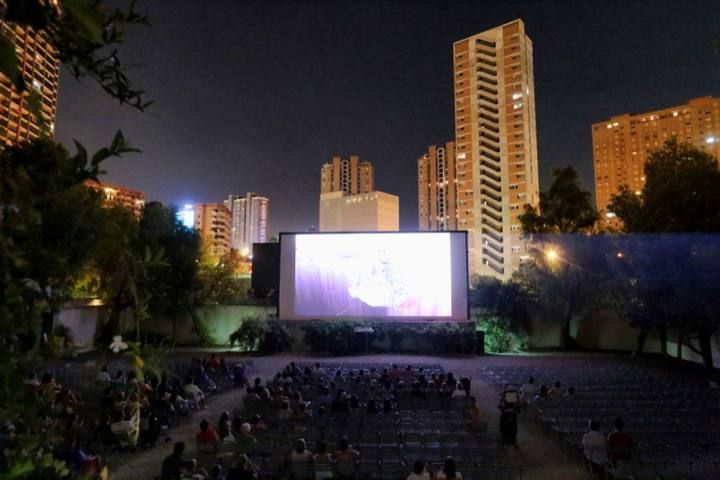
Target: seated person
column 372, row 407
column 224, row 425
column 257, row 424
column 176, row 465
column 556, row 391
column 528, row 390
column 340, row 404
column 346, row 458
column 388, row 406
column 448, row 471
column 245, row 442
column 459, row 392
column 323, row 462
column 207, row 438
column 32, row 381
column 78, row 459
column 478, row 419
column 242, row 469
column 619, row 443
column 193, row 392
column 419, row 471
column 593, row 443
column 301, row 462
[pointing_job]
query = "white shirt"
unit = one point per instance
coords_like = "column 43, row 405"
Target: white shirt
column 594, row 447
column 441, row 476
column 422, row 476
column 528, row 390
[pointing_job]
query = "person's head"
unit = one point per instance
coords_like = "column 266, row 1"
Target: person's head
column 224, row 417
column 531, row 380
column 354, row 402
column 344, row 444
column 179, row 448
column 104, row 368
column 216, row 471
column 387, row 406
column 418, row 467
column 189, row 381
column 255, row 419
column 557, row 384
column 204, row 425
column 321, row 447
column 47, row 377
column 449, row 467
column 245, row 429
column 594, row 425
column 302, row 406
column 300, row 445
column 619, row 424
column 285, row 405
column 460, row 387
column 257, row 381
column 119, row 374
column 571, row 390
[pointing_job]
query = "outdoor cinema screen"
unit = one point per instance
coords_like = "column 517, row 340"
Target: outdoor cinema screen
column 394, row 276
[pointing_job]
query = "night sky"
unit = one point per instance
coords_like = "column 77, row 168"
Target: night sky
column 255, row 96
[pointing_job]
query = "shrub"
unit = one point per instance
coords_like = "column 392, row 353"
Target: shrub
column 260, row 335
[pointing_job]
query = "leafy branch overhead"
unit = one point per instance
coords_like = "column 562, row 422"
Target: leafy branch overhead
column 87, row 35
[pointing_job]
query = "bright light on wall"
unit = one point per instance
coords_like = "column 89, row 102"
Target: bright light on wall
column 710, row 140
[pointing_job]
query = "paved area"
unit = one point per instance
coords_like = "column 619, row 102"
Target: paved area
column 540, row 457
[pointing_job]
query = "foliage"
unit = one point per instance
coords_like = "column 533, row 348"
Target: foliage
column 261, row 335
column 502, row 311
column 564, row 208
column 567, row 278
column 86, row 33
column 220, row 281
column 338, row 337
column 680, row 193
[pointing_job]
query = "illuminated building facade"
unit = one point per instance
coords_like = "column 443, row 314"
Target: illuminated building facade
column 348, row 175
column 249, row 220
column 621, row 145
column 39, row 64
column 365, row 212
column 212, row 221
column 114, row 195
column 437, row 188
column 495, row 145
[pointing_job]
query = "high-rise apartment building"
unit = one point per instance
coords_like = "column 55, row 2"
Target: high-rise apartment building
column 621, row 145
column 437, row 188
column 364, row 212
column 495, row 144
column 114, row 195
column 348, row 175
column 38, row 60
column 249, row 220
column 212, row 221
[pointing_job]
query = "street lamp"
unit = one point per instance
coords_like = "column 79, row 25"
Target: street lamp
column 552, row 255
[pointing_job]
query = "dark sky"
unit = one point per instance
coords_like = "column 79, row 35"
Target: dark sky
column 256, row 95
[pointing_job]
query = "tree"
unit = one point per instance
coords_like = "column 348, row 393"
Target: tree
column 567, row 276
column 565, row 269
column 680, row 193
column 669, row 253
column 564, row 208
column 178, row 288
column 503, row 308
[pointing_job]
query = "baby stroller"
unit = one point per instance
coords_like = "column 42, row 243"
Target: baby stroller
column 509, row 406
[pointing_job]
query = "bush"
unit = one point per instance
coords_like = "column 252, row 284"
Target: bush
column 498, row 337
column 260, row 335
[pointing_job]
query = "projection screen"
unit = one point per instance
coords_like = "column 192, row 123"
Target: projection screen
column 393, row 276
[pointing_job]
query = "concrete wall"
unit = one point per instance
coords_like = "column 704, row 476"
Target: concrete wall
column 604, row 330
column 218, row 321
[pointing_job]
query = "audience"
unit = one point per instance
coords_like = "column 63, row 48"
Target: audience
column 593, row 443
column 242, row 469
column 300, row 462
column 346, row 459
column 419, row 471
column 207, row 437
column 448, row 471
column 177, row 466
column 619, row 443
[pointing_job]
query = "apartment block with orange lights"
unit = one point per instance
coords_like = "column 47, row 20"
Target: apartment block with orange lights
column 495, row 145
column 39, row 64
column 621, row 145
column 349, row 175
column 214, row 224
column 114, row 195
column 437, row 188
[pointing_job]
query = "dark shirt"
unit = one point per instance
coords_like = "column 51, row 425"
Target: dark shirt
column 174, row 465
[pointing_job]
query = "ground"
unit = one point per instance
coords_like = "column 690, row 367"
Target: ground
column 539, row 456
